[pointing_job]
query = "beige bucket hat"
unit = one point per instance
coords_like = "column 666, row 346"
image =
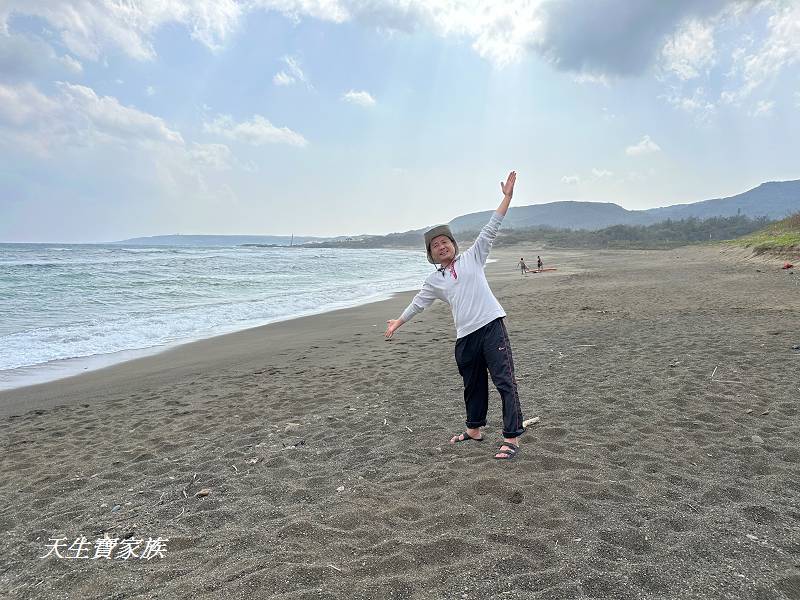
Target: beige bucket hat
column 436, row 232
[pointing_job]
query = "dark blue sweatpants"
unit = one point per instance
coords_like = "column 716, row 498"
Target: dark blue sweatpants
column 488, row 350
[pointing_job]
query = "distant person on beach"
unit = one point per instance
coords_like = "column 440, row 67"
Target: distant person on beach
column 523, row 268
column 539, row 263
column 482, row 345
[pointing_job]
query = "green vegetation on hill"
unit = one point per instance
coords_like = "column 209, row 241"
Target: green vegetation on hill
column 779, row 236
column 664, row 235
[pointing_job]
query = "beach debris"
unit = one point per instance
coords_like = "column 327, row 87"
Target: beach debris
column 202, row 493
column 749, row 411
column 234, row 468
column 290, row 427
column 104, row 505
column 787, row 265
column 385, row 421
column 796, row 347
column 516, row 497
column 714, row 372
column 335, row 568
column 766, row 412
column 757, row 439
column 409, row 429
column 293, row 446
column 340, row 488
column 752, row 537
column 253, row 460
column 116, row 508
column 528, row 422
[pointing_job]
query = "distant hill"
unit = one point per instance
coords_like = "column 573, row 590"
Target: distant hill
column 568, row 214
column 217, row 240
column 774, row 200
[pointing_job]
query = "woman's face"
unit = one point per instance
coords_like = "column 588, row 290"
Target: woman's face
column 442, row 249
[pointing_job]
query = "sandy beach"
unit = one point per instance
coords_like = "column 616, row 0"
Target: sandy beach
column 665, row 464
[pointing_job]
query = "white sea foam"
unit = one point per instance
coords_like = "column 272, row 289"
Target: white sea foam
column 106, row 304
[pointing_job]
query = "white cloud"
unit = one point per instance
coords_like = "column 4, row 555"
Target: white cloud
column 570, row 179
column 361, row 98
column 257, row 131
column 612, row 37
column 282, row 78
column 295, row 73
column 780, row 50
column 24, row 104
column 601, row 173
column 106, row 151
column 690, row 50
column 600, row 79
column 697, row 104
column 88, row 27
column 107, row 117
column 499, row 31
column 150, row 91
column 23, row 56
column 645, row 146
column 75, row 116
column 763, row 108
column 71, row 64
column 217, row 156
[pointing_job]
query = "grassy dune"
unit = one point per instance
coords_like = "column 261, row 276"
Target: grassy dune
column 779, row 237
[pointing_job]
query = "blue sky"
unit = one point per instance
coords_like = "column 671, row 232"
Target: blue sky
column 329, row 117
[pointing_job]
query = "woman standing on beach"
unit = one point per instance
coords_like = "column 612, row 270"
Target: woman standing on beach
column 482, row 343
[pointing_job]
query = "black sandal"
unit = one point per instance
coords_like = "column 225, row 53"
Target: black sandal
column 510, row 453
column 467, row 438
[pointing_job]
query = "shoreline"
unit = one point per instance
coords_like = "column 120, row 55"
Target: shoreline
column 58, row 370
column 196, row 356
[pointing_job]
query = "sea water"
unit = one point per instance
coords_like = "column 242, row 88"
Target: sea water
column 66, row 308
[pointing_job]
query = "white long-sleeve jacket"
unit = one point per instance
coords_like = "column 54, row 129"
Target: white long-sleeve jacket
column 467, row 292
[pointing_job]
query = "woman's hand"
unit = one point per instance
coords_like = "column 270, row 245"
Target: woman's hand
column 508, row 186
column 393, row 324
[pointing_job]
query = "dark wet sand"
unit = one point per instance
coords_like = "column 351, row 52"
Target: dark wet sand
column 325, row 450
